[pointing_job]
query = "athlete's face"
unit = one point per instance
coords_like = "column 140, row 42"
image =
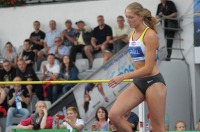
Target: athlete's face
column 133, row 19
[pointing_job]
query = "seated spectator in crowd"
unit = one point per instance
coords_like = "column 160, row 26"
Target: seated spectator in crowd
column 40, row 120
column 10, row 54
column 27, row 54
column 68, row 72
column 112, row 127
column 101, row 37
column 18, row 99
column 180, row 126
column 8, row 73
column 28, row 74
column 133, row 119
column 50, row 72
column 198, row 125
column 37, row 38
column 3, row 101
column 58, row 49
column 71, row 121
column 120, row 35
column 83, row 39
column 69, row 34
column 49, row 40
column 101, row 123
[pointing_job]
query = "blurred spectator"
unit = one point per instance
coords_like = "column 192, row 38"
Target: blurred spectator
column 10, row 54
column 69, row 34
column 71, row 121
column 180, row 126
column 167, row 10
column 198, row 125
column 120, row 35
column 37, row 38
column 83, row 39
column 28, row 74
column 50, row 72
column 27, row 54
column 49, row 40
column 3, row 101
column 40, row 120
column 101, row 123
column 58, row 49
column 133, row 119
column 68, row 72
column 8, row 73
column 102, row 34
column 112, row 127
column 18, row 99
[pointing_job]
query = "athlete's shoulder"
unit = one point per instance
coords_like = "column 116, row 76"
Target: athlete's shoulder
column 150, row 33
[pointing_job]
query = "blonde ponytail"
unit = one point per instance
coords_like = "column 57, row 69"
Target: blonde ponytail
column 138, row 9
column 149, row 20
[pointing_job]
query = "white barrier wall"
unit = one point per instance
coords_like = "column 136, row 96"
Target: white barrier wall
column 16, row 23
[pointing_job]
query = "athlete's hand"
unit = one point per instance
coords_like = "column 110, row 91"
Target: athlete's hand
column 115, row 81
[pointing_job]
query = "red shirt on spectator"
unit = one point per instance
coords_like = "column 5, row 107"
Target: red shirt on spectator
column 28, row 121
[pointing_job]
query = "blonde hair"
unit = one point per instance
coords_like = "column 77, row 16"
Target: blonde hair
column 179, row 121
column 138, row 9
column 42, row 102
column 74, row 109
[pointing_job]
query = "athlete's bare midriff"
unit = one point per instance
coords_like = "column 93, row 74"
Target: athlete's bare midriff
column 140, row 64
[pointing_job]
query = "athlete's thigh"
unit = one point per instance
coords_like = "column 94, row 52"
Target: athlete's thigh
column 156, row 100
column 127, row 100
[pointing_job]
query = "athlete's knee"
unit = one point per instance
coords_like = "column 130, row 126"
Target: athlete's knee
column 113, row 116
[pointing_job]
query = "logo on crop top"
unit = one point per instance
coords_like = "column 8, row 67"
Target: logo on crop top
column 135, row 52
column 133, row 43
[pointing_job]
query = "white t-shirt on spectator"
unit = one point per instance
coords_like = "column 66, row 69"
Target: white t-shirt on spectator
column 118, row 31
column 78, row 122
column 54, row 69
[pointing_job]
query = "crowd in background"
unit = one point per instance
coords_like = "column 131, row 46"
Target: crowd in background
column 54, row 54
column 59, row 50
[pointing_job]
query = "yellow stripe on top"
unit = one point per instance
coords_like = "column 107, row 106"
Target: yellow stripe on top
column 131, row 38
column 141, row 36
column 143, row 33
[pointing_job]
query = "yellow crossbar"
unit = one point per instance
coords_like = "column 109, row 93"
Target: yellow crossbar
column 59, row 82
